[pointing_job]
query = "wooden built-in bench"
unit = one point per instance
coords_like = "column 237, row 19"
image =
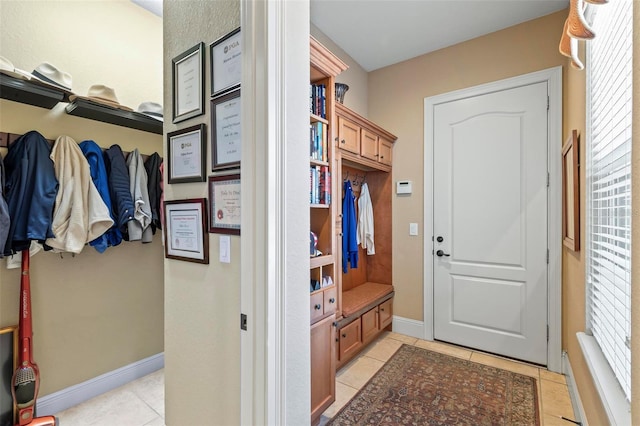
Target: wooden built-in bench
column 366, row 310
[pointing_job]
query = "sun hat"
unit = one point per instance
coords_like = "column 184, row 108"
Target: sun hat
column 152, row 109
column 50, row 75
column 7, row 68
column 102, row 94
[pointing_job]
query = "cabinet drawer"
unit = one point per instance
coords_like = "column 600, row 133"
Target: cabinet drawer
column 317, row 302
column 369, row 324
column 348, row 136
column 350, row 339
column 385, row 152
column 330, row 300
column 385, row 310
column 368, row 145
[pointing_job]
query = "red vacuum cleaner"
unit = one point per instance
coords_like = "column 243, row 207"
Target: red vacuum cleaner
column 26, row 378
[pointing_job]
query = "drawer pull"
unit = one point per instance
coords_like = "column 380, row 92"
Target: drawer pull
column 342, row 141
column 332, row 300
column 344, row 335
column 336, row 139
column 382, row 309
column 317, row 307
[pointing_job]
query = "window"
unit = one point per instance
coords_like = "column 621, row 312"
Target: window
column 608, row 232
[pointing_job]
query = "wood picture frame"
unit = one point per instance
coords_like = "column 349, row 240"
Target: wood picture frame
column 571, row 192
column 188, row 83
column 225, row 204
column 186, row 149
column 8, row 364
column 226, row 136
column 185, row 230
column 226, row 63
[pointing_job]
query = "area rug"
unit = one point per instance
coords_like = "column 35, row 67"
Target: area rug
column 421, row 387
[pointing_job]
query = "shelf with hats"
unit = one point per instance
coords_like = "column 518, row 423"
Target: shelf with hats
column 28, row 92
column 100, row 112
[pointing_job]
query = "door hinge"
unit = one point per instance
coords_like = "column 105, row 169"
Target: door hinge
column 547, row 332
column 547, row 102
column 243, row 322
column 547, row 256
column 548, row 179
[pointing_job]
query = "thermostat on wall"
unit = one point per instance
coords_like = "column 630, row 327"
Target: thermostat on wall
column 403, row 187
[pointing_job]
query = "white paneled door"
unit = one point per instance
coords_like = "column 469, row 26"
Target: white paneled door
column 490, row 222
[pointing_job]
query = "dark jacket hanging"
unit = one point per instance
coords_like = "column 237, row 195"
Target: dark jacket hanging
column 152, row 165
column 349, row 225
column 30, row 191
column 121, row 200
column 5, row 219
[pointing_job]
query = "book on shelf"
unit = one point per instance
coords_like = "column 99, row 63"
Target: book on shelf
column 318, row 100
column 320, row 188
column 318, row 141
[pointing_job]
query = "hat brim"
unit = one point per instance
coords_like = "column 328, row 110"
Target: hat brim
column 99, row 101
column 21, row 75
column 67, row 93
column 154, row 116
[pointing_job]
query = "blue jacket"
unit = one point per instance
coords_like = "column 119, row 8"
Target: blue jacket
column 5, row 219
column 121, row 200
column 349, row 226
column 94, row 156
column 31, row 190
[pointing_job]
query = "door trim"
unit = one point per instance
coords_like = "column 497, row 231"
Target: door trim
column 553, row 78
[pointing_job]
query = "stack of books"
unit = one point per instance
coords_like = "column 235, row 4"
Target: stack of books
column 317, row 100
column 320, row 190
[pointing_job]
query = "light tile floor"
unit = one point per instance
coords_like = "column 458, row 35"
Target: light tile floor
column 141, row 402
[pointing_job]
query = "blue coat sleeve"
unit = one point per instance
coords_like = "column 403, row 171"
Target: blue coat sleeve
column 349, row 225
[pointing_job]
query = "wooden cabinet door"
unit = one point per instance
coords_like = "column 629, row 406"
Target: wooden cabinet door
column 323, row 367
column 348, row 135
column 368, row 144
column 316, row 305
column 350, row 339
column 330, row 300
column 385, row 151
column 369, row 324
column 386, row 313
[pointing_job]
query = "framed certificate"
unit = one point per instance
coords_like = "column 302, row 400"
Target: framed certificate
column 226, row 63
column 188, row 84
column 226, row 138
column 224, row 204
column 185, row 230
column 186, row 150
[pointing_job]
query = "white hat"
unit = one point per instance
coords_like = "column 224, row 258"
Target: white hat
column 152, row 109
column 52, row 76
column 7, row 68
column 103, row 95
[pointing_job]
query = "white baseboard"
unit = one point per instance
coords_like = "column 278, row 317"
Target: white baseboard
column 576, row 402
column 408, row 327
column 58, row 401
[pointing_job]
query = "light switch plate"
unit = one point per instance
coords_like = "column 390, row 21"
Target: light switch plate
column 225, row 249
column 413, row 229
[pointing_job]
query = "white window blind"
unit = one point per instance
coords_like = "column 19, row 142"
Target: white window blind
column 608, row 250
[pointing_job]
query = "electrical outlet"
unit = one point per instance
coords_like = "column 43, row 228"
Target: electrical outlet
column 413, row 229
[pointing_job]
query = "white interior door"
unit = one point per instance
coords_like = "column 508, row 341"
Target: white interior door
column 490, row 222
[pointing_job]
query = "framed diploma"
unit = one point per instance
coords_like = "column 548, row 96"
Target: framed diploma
column 225, row 131
column 226, row 63
column 188, row 84
column 186, row 150
column 185, row 230
column 224, row 204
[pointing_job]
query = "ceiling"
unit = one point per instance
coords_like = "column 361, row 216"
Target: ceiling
column 377, row 33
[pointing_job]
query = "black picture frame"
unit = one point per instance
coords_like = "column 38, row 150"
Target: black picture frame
column 225, row 65
column 226, row 136
column 188, row 83
column 186, row 149
column 185, row 230
column 225, row 203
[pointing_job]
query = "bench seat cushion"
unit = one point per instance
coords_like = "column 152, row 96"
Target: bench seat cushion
column 359, row 297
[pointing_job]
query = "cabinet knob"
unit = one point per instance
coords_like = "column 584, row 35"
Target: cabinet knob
column 340, row 234
column 336, row 139
column 382, row 309
column 344, row 335
column 376, row 155
column 342, row 141
column 382, row 157
column 332, row 300
column 317, row 307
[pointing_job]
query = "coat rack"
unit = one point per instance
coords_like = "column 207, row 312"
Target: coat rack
column 355, row 181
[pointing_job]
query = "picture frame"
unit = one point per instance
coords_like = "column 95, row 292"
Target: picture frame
column 226, row 136
column 186, row 149
column 571, row 192
column 226, row 63
column 225, row 204
column 188, row 83
column 8, row 364
column 185, row 230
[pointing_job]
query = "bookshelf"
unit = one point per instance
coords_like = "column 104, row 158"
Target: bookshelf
column 323, row 200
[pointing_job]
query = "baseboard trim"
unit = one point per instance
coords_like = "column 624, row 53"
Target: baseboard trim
column 576, row 402
column 408, row 326
column 73, row 395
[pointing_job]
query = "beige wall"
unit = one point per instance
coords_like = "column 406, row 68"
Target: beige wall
column 355, row 76
column 202, row 302
column 93, row 313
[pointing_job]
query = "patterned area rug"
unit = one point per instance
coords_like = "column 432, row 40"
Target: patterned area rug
column 420, row 387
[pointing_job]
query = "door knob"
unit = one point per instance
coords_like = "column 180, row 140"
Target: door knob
column 440, row 253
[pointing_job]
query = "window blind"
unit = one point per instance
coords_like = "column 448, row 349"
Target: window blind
column 608, row 250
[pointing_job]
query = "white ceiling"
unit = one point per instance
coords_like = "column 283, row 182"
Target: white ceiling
column 377, row 33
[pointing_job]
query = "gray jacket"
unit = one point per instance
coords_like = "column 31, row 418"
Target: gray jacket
column 5, row 220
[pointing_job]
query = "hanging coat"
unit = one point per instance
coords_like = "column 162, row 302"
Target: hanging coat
column 139, row 227
column 118, row 175
column 365, row 220
column 154, row 179
column 30, row 191
column 5, row 219
column 349, row 225
column 93, row 153
column 79, row 215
